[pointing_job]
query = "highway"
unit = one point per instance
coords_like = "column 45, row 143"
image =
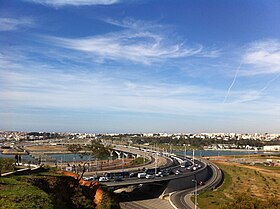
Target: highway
column 182, row 199
column 134, row 181
column 179, row 199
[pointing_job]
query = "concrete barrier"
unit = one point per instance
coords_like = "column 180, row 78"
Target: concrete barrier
column 186, row 182
column 30, row 169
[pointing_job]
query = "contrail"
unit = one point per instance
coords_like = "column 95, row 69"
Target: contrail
column 268, row 83
column 232, row 83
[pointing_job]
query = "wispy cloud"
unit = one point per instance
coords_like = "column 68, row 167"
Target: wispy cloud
column 262, row 57
column 138, row 47
column 138, row 42
column 75, row 2
column 40, row 89
column 12, row 24
column 28, row 84
column 31, row 84
column 133, row 24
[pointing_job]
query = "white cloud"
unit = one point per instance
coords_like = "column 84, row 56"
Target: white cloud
column 137, row 25
column 32, row 85
column 136, row 46
column 39, row 89
column 262, row 57
column 12, row 24
column 75, row 2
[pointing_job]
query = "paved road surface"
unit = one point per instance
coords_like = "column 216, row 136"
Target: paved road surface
column 155, row 203
column 182, row 199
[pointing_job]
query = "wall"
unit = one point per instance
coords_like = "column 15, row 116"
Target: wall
column 186, row 182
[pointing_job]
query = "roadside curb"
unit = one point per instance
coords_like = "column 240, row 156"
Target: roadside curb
column 172, row 204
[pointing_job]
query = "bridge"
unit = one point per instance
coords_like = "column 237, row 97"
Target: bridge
column 180, row 187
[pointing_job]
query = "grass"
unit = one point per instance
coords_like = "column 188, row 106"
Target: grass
column 273, row 168
column 18, row 194
column 138, row 161
column 217, row 197
column 255, row 184
column 45, row 190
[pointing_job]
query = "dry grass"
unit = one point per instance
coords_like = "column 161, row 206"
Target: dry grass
column 258, row 182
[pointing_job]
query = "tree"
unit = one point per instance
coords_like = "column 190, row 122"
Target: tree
column 74, row 148
column 98, row 150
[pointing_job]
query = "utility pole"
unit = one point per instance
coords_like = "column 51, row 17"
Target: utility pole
column 193, row 155
column 122, row 161
column 195, row 193
column 155, row 159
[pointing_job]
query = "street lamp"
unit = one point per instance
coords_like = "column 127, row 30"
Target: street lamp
column 195, row 193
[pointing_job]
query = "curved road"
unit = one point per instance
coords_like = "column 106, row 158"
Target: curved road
column 182, row 199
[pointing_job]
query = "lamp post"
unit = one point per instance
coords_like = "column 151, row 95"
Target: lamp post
column 193, row 155
column 195, row 193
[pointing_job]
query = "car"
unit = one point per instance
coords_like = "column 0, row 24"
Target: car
column 103, row 179
column 150, row 176
column 178, row 172
column 201, row 183
column 86, row 178
column 159, row 174
column 90, row 178
column 132, row 174
column 170, row 171
column 164, row 173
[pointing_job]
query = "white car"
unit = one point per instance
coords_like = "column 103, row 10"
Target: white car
column 103, row 178
column 150, row 176
column 178, row 172
column 159, row 174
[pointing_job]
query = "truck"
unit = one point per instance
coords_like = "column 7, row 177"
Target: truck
column 141, row 175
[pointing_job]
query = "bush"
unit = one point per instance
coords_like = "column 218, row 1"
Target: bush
column 7, row 165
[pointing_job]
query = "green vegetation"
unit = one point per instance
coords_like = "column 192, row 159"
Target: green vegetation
column 42, row 191
column 74, row 148
column 109, row 200
column 6, row 165
column 243, row 188
column 138, row 161
column 245, row 201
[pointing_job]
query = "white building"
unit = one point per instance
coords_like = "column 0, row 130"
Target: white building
column 271, row 148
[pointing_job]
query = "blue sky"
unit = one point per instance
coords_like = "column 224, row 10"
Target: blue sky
column 140, row 65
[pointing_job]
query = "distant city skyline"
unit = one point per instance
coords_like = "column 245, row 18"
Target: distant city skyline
column 137, row 66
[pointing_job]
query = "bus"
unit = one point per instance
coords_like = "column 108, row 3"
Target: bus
column 112, row 175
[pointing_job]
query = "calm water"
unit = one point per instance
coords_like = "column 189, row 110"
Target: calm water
column 71, row 157
column 24, row 158
column 75, row 158
column 81, row 158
